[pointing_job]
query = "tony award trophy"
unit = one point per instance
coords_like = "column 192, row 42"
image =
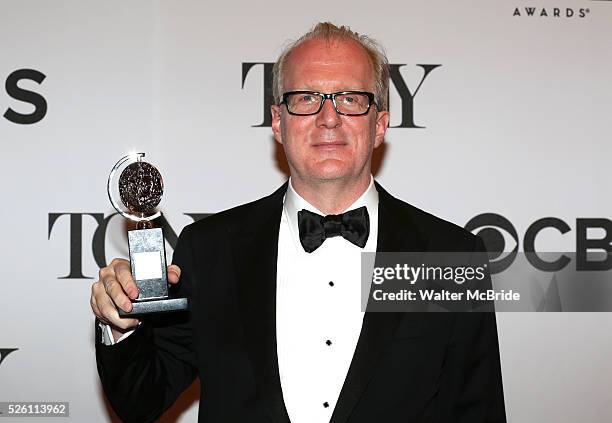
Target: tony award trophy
column 140, row 188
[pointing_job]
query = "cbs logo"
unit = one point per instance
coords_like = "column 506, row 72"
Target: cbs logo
column 489, row 227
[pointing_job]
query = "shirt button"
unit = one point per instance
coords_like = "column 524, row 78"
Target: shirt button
column 328, row 342
column 325, row 404
column 331, row 283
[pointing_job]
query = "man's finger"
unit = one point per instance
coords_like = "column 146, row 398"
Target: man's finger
column 123, row 275
column 97, row 291
column 111, row 315
column 116, row 293
column 174, row 273
column 95, row 309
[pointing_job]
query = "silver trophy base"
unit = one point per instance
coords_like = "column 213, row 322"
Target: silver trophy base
column 156, row 306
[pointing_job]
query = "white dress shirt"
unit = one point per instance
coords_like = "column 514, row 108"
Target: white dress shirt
column 318, row 310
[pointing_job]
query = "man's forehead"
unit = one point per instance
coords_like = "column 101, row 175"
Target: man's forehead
column 330, row 85
column 328, row 52
column 321, row 63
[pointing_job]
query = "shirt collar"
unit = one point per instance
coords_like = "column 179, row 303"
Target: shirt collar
column 294, row 202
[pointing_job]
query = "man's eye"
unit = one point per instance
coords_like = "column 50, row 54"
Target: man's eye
column 350, row 101
column 307, row 98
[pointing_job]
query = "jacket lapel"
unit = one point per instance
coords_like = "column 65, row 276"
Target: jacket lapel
column 396, row 232
column 255, row 254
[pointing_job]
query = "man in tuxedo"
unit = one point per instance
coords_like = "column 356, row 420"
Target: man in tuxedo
column 275, row 329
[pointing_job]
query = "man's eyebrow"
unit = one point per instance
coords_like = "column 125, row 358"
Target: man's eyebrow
column 346, row 88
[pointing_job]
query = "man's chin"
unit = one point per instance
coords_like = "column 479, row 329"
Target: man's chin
column 331, row 172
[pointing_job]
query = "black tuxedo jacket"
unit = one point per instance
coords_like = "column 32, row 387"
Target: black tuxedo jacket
column 407, row 367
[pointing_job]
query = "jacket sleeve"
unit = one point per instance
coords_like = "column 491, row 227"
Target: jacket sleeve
column 144, row 374
column 471, row 379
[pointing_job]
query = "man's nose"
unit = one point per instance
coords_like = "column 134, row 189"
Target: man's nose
column 328, row 117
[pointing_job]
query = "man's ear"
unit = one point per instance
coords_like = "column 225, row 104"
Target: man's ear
column 276, row 123
column 382, row 123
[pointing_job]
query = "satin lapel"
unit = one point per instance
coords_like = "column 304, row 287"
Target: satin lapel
column 396, row 232
column 255, row 254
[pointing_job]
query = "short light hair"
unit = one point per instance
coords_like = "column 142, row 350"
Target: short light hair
column 329, row 32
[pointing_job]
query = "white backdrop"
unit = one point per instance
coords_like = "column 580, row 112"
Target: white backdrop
column 516, row 123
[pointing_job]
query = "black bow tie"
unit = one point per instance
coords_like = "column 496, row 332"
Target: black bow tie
column 354, row 226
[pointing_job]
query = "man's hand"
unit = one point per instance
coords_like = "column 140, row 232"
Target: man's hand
column 115, row 289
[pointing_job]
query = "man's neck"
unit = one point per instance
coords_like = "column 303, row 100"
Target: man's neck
column 331, row 197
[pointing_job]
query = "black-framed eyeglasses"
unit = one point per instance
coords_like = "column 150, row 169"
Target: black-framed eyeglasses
column 348, row 103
